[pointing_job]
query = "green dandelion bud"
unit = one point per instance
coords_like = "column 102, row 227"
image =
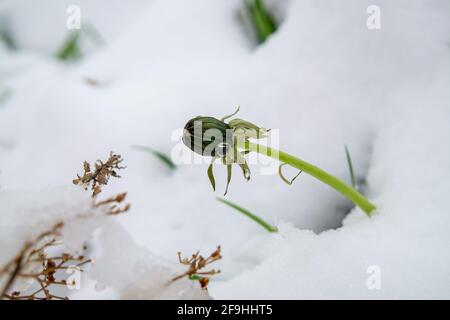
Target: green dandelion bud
column 207, row 136
column 230, row 142
column 215, row 138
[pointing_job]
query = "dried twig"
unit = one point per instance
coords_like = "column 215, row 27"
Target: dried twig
column 34, row 254
column 100, row 176
column 114, row 204
column 197, row 263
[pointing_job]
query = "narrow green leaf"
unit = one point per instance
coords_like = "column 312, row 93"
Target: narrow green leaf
column 159, row 155
column 261, row 19
column 245, row 170
column 229, row 169
column 211, row 175
column 350, row 166
column 70, row 49
column 7, row 39
column 250, row 215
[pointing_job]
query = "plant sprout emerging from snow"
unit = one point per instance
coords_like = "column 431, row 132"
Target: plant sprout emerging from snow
column 350, row 167
column 230, row 142
column 261, row 19
column 164, row 158
column 6, row 37
column 250, row 215
column 71, row 49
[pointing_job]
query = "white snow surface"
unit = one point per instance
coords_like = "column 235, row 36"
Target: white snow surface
column 323, row 79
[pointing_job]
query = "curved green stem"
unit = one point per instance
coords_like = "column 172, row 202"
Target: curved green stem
column 356, row 197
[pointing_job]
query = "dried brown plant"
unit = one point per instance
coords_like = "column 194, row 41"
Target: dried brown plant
column 114, row 204
column 94, row 180
column 100, row 177
column 91, row 81
column 34, row 265
column 196, row 263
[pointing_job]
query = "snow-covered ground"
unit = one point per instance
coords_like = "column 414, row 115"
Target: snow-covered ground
column 323, row 79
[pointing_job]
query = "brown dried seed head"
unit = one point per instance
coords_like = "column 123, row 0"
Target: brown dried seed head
column 204, row 283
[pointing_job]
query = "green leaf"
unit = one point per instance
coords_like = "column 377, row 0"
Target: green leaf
column 229, row 168
column 7, row 39
column 350, row 166
column 211, row 174
column 70, row 49
column 261, row 19
column 159, row 155
column 250, row 215
column 245, row 170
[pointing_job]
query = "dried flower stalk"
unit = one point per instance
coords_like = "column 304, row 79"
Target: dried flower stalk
column 32, row 263
column 196, row 263
column 114, row 204
column 94, row 180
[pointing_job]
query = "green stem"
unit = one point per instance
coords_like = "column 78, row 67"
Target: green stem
column 356, row 197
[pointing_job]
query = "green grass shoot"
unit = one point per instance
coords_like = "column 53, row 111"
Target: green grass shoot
column 261, row 19
column 71, row 50
column 350, row 167
column 250, row 215
column 7, row 39
column 159, row 155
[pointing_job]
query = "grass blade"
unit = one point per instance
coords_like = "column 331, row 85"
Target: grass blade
column 70, row 49
column 261, row 19
column 7, row 39
column 159, row 155
column 211, row 175
column 350, row 166
column 250, row 215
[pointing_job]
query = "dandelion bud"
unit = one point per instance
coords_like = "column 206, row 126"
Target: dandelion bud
column 215, row 138
column 207, row 136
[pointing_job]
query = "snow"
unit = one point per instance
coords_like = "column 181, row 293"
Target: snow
column 25, row 215
column 323, row 79
column 124, row 269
